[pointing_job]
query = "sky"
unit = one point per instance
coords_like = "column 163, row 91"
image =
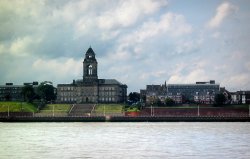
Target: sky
column 137, row 42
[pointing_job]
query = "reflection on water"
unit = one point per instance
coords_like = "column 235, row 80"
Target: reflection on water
column 125, row 140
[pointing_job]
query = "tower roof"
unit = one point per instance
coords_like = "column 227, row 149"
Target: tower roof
column 90, row 51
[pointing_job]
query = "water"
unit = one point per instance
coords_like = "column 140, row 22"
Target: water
column 125, row 140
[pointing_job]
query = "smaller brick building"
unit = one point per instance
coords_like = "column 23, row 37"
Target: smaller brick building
column 11, row 92
column 200, row 92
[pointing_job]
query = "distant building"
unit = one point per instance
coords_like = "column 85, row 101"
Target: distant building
column 240, row 97
column 90, row 89
column 11, row 92
column 200, row 92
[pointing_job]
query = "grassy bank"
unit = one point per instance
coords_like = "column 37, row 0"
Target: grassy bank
column 59, row 108
column 109, row 108
column 17, row 107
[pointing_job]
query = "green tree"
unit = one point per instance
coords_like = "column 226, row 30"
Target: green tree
column 158, row 102
column 220, row 99
column 28, row 93
column 134, row 96
column 46, row 91
column 7, row 97
column 169, row 102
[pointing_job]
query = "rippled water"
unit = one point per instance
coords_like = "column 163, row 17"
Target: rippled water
column 125, row 140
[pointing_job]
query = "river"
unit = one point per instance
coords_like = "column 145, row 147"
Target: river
column 125, row 140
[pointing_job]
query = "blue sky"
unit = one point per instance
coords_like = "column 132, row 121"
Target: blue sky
column 137, row 42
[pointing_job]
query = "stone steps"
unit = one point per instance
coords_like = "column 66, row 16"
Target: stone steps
column 81, row 110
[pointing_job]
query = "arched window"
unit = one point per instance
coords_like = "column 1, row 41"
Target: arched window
column 90, row 70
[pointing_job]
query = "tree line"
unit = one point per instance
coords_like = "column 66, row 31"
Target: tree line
column 44, row 92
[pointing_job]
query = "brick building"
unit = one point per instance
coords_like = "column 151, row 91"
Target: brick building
column 200, row 92
column 12, row 92
column 90, row 89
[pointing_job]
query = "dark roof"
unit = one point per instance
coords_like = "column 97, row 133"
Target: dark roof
column 61, row 85
column 153, row 87
column 109, row 81
column 100, row 81
column 90, row 51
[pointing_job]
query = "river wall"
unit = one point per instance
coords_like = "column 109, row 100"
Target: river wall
column 125, row 119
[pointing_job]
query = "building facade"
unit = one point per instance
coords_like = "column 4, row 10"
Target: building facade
column 11, row 92
column 90, row 89
column 200, row 92
column 240, row 97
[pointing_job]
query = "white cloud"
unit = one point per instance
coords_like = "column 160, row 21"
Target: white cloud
column 71, row 10
column 188, row 46
column 169, row 23
column 23, row 46
column 128, row 12
column 239, row 81
column 24, row 8
column 192, row 77
column 58, row 69
column 2, row 49
column 107, row 18
column 134, row 44
column 247, row 65
column 153, row 74
column 137, row 42
column 223, row 10
column 216, row 35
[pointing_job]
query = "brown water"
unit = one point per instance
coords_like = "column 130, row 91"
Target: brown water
column 125, row 140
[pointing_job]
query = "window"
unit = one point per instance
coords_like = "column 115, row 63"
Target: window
column 90, row 71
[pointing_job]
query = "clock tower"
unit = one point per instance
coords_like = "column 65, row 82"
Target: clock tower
column 90, row 68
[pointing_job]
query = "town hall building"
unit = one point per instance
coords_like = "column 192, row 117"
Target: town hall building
column 90, row 89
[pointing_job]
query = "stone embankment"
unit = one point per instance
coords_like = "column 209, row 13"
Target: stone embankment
column 125, row 119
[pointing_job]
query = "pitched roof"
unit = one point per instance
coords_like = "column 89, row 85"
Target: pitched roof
column 90, row 51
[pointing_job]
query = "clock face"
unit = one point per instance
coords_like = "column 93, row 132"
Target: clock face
column 90, row 56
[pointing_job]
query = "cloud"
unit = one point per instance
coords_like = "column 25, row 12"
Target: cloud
column 128, row 12
column 216, row 35
column 184, row 72
column 169, row 23
column 153, row 74
column 223, row 11
column 58, row 69
column 107, row 17
column 188, row 46
column 237, row 82
column 2, row 49
column 23, row 46
column 136, row 42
